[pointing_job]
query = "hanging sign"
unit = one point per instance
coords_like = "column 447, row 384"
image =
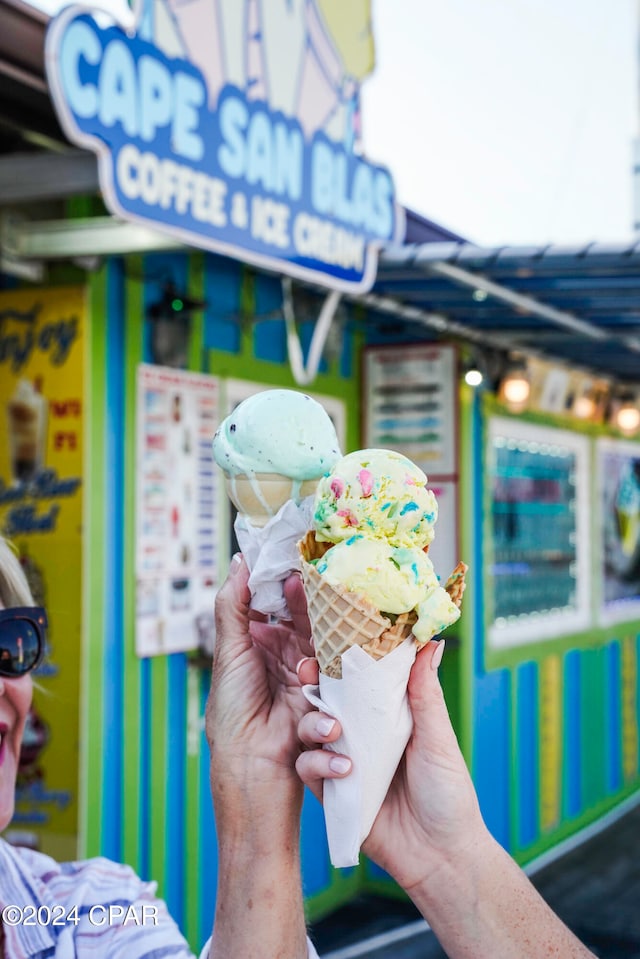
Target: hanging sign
column 233, row 125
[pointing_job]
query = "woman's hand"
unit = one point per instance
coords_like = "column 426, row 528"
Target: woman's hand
column 431, row 810
column 253, row 710
column 255, row 702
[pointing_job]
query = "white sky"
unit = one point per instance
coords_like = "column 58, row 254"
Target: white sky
column 509, row 121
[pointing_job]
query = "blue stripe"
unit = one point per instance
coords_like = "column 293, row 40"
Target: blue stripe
column 491, row 754
column 176, row 771
column 527, row 757
column 613, row 714
column 222, row 286
column 269, row 341
column 316, row 869
column 477, row 534
column 572, row 765
column 207, row 832
column 113, row 737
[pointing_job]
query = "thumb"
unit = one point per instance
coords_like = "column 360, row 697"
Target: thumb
column 232, row 611
column 432, row 728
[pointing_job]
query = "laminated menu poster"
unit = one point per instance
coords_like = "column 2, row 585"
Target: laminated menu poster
column 410, row 404
column 176, row 574
column 619, row 475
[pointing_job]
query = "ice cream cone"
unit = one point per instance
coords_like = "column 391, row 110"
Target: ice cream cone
column 260, row 495
column 341, row 619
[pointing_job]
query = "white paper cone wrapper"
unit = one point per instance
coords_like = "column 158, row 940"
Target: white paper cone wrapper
column 372, row 705
column 271, row 553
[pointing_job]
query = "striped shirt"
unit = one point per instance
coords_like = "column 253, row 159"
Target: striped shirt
column 93, row 909
column 79, row 910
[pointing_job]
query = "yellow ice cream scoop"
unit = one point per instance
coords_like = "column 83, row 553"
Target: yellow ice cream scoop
column 393, row 579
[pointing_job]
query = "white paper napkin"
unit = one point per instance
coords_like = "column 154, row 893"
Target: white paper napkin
column 271, row 553
column 372, row 705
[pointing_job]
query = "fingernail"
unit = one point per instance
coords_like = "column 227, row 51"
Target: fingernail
column 299, row 664
column 436, row 659
column 324, row 725
column 236, row 558
column 234, row 566
column 339, row 764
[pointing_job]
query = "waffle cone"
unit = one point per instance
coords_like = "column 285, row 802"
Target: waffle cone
column 341, row 619
column 260, row 496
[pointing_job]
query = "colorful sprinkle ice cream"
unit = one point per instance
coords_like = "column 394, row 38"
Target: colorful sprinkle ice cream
column 378, row 493
column 374, row 506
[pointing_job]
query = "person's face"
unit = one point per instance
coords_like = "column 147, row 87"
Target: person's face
column 15, row 699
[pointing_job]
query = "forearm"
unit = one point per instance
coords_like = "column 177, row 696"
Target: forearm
column 259, row 908
column 485, row 907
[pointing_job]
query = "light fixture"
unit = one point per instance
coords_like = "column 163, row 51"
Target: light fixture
column 627, row 417
column 473, row 376
column 171, row 326
column 515, row 387
column 584, row 407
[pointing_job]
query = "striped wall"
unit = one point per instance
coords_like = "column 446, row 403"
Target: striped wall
column 553, row 741
column 145, row 796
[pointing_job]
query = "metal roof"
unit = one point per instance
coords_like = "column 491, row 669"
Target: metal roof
column 580, row 304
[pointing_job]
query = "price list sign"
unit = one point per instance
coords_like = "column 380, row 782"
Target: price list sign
column 539, row 538
column 411, row 404
column 177, row 414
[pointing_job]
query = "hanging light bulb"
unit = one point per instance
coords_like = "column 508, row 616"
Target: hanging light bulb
column 584, row 407
column 628, row 415
column 473, row 376
column 516, row 387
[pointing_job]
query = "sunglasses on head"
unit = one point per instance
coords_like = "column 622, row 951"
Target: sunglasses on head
column 22, row 639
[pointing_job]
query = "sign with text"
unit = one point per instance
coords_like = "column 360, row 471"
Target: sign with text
column 176, row 569
column 41, row 493
column 233, row 125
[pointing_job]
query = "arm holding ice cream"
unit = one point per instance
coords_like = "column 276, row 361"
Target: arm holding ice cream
column 252, row 713
column 430, row 835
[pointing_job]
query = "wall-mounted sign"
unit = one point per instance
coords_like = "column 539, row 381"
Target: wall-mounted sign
column 176, row 567
column 411, row 404
column 619, row 481
column 41, row 493
column 233, row 125
column 538, row 544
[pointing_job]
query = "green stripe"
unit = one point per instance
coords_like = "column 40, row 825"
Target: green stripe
column 132, row 720
column 192, row 859
column 593, row 725
column 468, row 525
column 158, row 748
column 94, row 523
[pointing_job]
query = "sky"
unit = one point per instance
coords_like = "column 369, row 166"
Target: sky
column 507, row 121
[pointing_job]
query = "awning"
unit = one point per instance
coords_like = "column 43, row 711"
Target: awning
column 575, row 304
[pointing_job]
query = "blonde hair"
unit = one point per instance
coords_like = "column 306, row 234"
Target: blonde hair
column 14, row 588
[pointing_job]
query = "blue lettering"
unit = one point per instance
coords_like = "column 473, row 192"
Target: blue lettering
column 234, row 117
column 118, row 88
column 288, row 171
column 190, row 95
column 322, row 177
column 79, row 43
column 155, row 96
column 259, row 156
column 383, row 204
column 362, row 197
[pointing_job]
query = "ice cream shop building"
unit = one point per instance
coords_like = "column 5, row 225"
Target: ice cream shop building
column 186, row 220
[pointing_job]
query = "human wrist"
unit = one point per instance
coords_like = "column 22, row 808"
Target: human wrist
column 456, row 871
column 256, row 810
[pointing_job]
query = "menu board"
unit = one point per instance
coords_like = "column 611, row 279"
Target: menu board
column 411, row 395
column 176, row 490
column 539, row 537
column 619, row 495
